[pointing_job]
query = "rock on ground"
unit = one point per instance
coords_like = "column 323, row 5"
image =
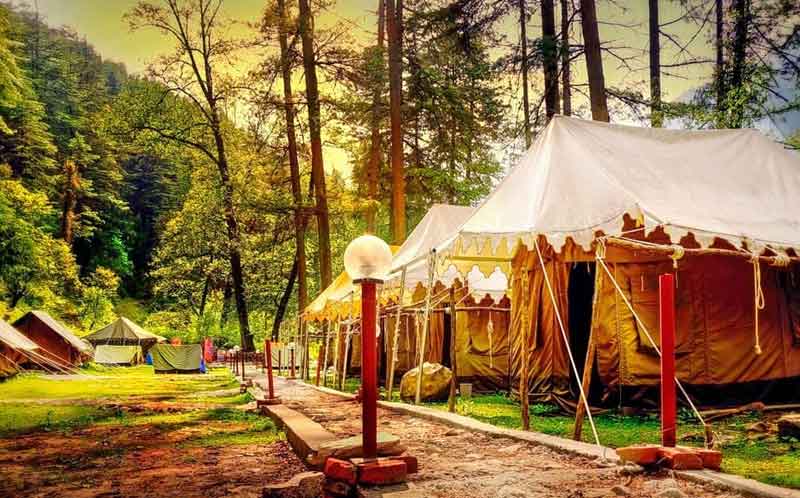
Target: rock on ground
column 435, row 382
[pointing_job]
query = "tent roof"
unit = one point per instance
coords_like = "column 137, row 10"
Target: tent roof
column 439, row 224
column 336, row 293
column 122, row 329
column 56, row 327
column 583, row 176
column 12, row 338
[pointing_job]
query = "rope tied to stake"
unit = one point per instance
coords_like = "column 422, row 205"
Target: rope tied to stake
column 758, row 300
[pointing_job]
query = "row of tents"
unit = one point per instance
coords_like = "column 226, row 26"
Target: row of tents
column 552, row 282
column 38, row 341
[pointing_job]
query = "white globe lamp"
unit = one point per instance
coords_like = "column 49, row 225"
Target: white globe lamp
column 367, row 258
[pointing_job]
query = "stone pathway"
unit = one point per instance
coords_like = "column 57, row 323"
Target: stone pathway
column 465, row 464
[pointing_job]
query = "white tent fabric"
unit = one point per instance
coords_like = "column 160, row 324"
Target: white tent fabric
column 439, row 224
column 583, row 176
column 14, row 339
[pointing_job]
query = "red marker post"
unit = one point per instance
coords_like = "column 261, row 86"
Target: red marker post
column 268, row 361
column 666, row 290
column 369, row 369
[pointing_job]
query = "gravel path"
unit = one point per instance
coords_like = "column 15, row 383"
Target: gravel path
column 464, row 464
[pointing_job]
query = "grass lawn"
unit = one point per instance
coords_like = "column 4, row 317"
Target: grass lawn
column 32, row 401
column 771, row 459
column 113, row 429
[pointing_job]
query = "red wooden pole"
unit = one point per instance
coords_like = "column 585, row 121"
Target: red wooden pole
column 666, row 288
column 291, row 370
column 369, row 370
column 268, row 358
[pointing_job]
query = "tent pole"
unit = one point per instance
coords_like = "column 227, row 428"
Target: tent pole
column 426, row 319
column 451, row 401
column 321, row 368
column 666, row 301
column 591, row 352
column 523, row 378
column 395, row 336
column 335, row 361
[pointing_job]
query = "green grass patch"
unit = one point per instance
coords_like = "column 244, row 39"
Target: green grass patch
column 113, row 383
column 18, row 418
column 254, row 429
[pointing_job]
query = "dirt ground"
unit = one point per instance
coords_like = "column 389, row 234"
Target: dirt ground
column 457, row 463
column 141, row 460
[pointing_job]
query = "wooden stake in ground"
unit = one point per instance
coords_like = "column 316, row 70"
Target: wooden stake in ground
column 268, row 360
column 425, row 320
column 451, row 401
column 591, row 351
column 523, row 377
column 396, row 336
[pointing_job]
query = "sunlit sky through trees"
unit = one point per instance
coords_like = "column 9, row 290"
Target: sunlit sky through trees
column 623, row 26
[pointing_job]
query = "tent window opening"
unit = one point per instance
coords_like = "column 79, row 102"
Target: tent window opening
column 792, row 290
column 448, row 336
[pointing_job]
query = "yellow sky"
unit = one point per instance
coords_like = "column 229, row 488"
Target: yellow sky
column 101, row 22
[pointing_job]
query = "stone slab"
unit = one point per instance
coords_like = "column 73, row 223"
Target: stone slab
column 304, row 435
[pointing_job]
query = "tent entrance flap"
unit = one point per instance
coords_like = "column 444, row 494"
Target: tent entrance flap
column 580, row 292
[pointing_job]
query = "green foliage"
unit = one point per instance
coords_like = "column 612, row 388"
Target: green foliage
column 33, row 265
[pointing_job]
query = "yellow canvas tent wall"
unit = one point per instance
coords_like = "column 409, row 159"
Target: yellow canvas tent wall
column 715, row 343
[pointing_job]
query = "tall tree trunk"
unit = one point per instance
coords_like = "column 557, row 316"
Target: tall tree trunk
column 315, row 131
column 204, row 297
column 739, row 54
column 566, row 85
column 294, row 163
column 234, row 236
column 374, row 164
column 550, row 58
column 719, row 70
column 394, row 15
column 523, row 49
column 594, row 61
column 656, row 117
column 71, row 186
column 280, row 312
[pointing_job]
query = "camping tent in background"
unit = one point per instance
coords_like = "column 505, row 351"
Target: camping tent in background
column 124, row 332
column 598, row 206
column 15, row 349
column 55, row 341
column 170, row 358
column 482, row 321
column 105, row 354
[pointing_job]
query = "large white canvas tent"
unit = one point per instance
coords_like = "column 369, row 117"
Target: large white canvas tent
column 597, row 209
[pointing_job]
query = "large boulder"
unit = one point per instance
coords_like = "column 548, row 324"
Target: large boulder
column 435, row 382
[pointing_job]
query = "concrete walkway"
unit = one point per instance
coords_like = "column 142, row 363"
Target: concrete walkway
column 460, row 462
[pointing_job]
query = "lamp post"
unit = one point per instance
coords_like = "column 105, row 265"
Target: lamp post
column 367, row 260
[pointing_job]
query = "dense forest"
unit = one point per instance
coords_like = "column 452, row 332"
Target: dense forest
column 199, row 198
